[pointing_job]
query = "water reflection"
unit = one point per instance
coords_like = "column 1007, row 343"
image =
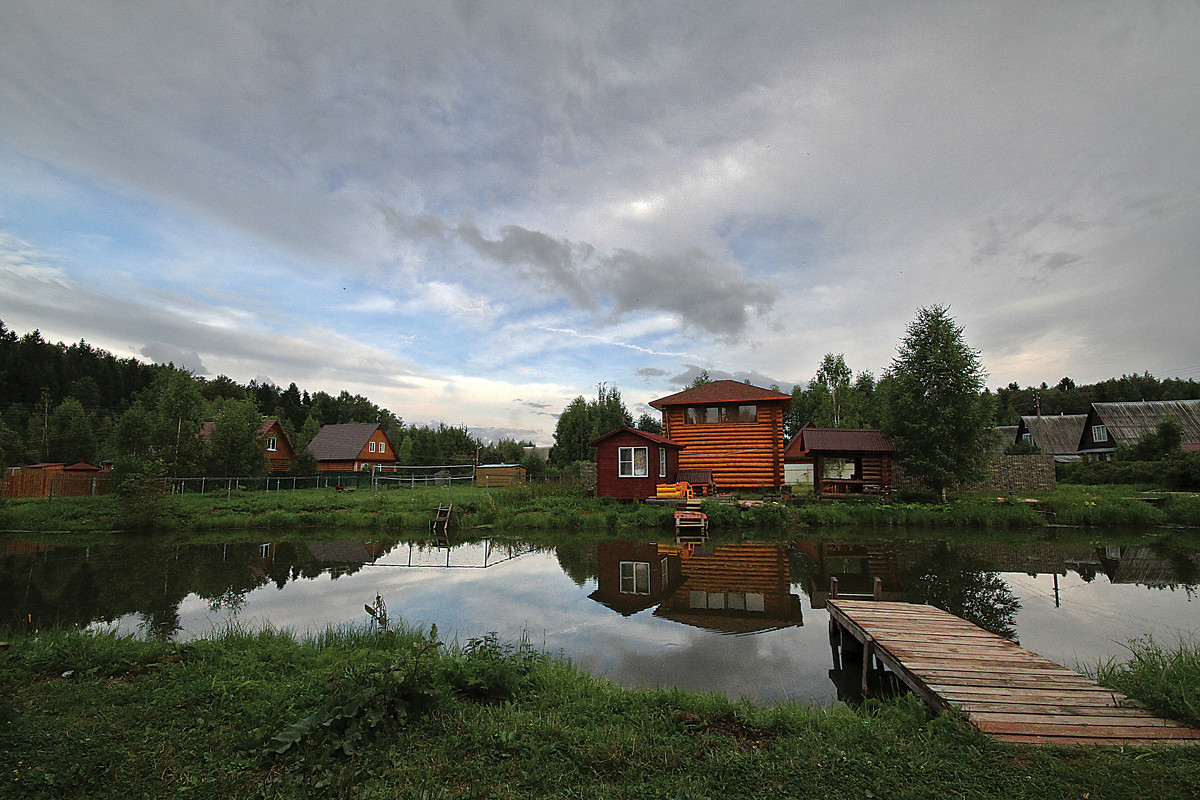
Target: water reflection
column 736, row 588
column 640, row 613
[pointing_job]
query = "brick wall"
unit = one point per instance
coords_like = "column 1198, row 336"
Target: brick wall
column 1020, row 474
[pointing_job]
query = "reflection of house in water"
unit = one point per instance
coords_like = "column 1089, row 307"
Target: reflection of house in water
column 634, row 577
column 343, row 554
column 742, row 588
column 1143, row 566
column 856, row 566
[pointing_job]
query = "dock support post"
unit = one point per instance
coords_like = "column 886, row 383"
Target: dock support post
column 878, row 589
column 867, row 664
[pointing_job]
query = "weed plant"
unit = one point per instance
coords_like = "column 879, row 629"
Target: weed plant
column 1166, row 679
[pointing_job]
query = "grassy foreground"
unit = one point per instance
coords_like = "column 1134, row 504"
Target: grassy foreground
column 564, row 508
column 397, row 714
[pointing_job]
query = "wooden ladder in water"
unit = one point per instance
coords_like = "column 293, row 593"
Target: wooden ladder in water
column 441, row 518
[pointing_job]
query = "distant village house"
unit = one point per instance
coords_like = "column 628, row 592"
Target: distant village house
column 351, row 447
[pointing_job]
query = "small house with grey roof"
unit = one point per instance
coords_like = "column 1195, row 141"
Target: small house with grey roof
column 1109, row 425
column 351, row 447
column 1053, row 435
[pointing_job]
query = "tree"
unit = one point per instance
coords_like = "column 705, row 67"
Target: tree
column 649, row 424
column 702, row 378
column 235, row 446
column 934, row 407
column 71, row 438
column 582, row 421
column 834, row 376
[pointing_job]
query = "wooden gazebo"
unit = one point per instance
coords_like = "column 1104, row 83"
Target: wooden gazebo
column 864, row 455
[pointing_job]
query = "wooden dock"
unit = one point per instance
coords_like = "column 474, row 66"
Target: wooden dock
column 1004, row 690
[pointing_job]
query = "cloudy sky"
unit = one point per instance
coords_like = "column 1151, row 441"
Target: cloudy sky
column 472, row 212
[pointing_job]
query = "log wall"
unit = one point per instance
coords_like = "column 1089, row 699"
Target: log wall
column 740, row 454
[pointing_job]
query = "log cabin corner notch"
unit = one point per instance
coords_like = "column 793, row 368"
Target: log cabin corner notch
column 734, row 429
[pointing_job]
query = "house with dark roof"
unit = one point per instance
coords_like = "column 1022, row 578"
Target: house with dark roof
column 1053, row 435
column 733, row 429
column 350, row 447
column 1109, row 425
column 631, row 463
column 845, row 461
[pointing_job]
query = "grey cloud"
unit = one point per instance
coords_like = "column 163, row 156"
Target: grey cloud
column 693, row 371
column 161, row 353
column 708, row 294
column 492, row 435
column 551, row 259
column 651, row 372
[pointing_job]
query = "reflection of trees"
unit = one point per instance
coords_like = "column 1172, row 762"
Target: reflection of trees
column 964, row 586
column 578, row 561
column 76, row 586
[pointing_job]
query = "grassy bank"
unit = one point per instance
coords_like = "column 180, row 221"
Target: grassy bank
column 562, row 508
column 396, row 714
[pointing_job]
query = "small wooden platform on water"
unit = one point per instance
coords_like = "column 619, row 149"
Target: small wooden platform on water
column 1006, row 691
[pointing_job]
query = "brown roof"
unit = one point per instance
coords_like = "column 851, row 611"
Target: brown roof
column 207, row 428
column 838, row 440
column 342, row 442
column 721, row 392
column 653, row 437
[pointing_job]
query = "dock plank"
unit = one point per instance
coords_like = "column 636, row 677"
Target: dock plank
column 1012, row 694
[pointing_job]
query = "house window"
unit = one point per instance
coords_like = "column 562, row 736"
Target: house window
column 272, row 444
column 714, row 415
column 371, row 447
column 635, row 577
column 382, row 447
column 633, row 462
column 662, row 463
column 1027, row 438
column 666, row 572
column 1099, row 433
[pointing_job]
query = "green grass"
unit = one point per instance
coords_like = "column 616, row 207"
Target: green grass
column 355, row 713
column 1166, row 679
column 564, row 509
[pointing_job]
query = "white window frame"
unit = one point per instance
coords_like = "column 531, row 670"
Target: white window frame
column 662, row 462
column 1099, row 433
column 272, row 444
column 371, row 447
column 635, row 577
column 627, row 462
column 382, row 448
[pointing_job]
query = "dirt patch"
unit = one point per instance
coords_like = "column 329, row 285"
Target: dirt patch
column 749, row 736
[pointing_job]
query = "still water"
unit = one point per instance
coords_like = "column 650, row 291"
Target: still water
column 740, row 619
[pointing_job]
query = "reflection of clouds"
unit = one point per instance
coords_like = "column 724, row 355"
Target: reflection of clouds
column 1095, row 621
column 531, row 597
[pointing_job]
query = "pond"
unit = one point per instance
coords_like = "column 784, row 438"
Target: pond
column 743, row 619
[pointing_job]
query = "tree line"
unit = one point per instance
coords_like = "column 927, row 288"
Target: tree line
column 72, row 403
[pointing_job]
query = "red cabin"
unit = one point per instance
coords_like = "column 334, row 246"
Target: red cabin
column 630, row 463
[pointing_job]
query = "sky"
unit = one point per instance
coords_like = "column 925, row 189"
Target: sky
column 473, row 212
